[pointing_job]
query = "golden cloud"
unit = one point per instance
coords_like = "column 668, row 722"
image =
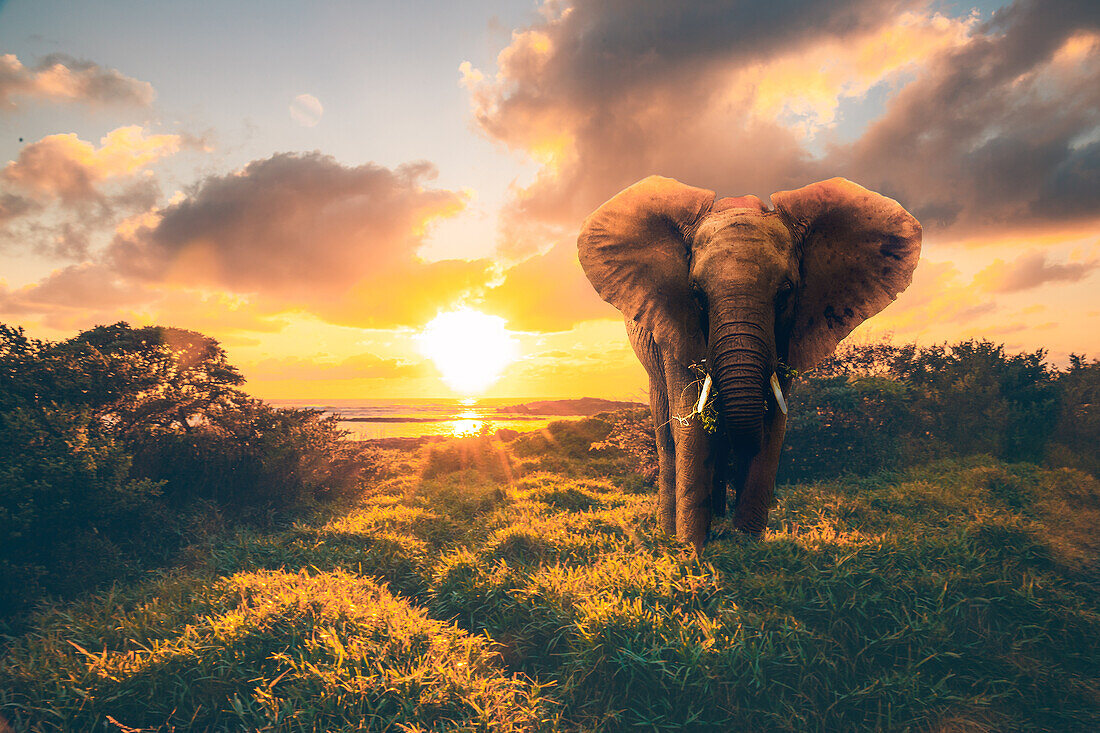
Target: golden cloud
column 88, row 294
column 291, row 234
column 64, row 166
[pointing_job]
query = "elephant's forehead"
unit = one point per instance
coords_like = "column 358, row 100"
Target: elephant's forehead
column 742, row 226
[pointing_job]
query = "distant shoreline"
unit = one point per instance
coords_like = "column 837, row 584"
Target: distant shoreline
column 421, row 419
column 584, row 407
column 536, row 410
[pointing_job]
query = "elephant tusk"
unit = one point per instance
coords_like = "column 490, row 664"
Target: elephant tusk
column 778, row 394
column 704, row 395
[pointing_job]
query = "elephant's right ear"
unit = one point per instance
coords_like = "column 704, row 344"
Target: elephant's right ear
column 634, row 250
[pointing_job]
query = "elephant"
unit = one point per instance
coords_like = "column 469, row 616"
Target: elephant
column 730, row 296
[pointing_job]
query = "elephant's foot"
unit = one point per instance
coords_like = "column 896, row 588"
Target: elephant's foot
column 730, row 531
column 750, row 527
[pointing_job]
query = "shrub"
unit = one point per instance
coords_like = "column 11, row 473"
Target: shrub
column 633, row 434
column 1077, row 432
column 879, row 405
column 253, row 458
column 480, row 454
column 565, row 438
column 876, row 405
column 68, row 508
column 846, row 425
column 112, row 440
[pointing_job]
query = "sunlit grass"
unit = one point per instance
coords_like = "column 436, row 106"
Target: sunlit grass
column 457, row 595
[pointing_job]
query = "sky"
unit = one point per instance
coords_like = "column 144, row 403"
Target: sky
column 313, row 184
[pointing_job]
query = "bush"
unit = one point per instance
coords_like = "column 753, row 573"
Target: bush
column 480, row 454
column 879, row 405
column 1077, row 432
column 565, row 438
column 854, row 425
column 875, row 406
column 633, row 434
column 112, row 441
column 69, row 509
column 252, row 459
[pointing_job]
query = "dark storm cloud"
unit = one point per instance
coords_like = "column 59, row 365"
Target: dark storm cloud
column 304, row 231
column 996, row 134
column 608, row 93
column 59, row 77
column 633, row 86
column 608, row 47
column 1000, row 130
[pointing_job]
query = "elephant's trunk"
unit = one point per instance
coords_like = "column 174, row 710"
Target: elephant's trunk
column 742, row 360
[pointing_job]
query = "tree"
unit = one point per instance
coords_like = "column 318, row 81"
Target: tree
column 159, row 378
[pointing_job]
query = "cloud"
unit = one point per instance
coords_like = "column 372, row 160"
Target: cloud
column 602, row 94
column 246, row 250
column 301, row 231
column 980, row 129
column 61, row 191
column 1002, row 132
column 939, row 299
column 1030, row 271
column 78, row 286
column 12, row 206
column 90, row 293
column 593, row 358
column 59, row 77
column 77, row 295
column 994, row 125
column 70, row 169
column 717, row 95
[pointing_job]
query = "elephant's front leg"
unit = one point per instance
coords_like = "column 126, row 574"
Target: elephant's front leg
column 755, row 497
column 654, row 362
column 694, row 457
column 666, row 455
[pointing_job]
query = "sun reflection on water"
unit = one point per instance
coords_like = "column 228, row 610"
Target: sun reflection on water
column 467, row 422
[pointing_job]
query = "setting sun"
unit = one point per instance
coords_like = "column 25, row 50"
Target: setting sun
column 469, row 348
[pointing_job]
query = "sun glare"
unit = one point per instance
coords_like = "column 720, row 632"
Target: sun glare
column 469, row 348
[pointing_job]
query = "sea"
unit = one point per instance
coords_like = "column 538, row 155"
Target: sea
column 370, row 419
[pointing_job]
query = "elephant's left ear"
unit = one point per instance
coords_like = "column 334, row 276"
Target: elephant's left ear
column 859, row 250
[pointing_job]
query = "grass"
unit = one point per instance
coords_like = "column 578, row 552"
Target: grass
column 469, row 589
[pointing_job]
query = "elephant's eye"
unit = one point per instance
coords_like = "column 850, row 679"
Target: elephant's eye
column 698, row 294
column 786, row 287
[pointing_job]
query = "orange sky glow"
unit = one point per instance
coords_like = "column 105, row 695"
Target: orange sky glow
column 342, row 235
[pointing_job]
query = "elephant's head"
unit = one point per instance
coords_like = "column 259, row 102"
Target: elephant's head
column 746, row 287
